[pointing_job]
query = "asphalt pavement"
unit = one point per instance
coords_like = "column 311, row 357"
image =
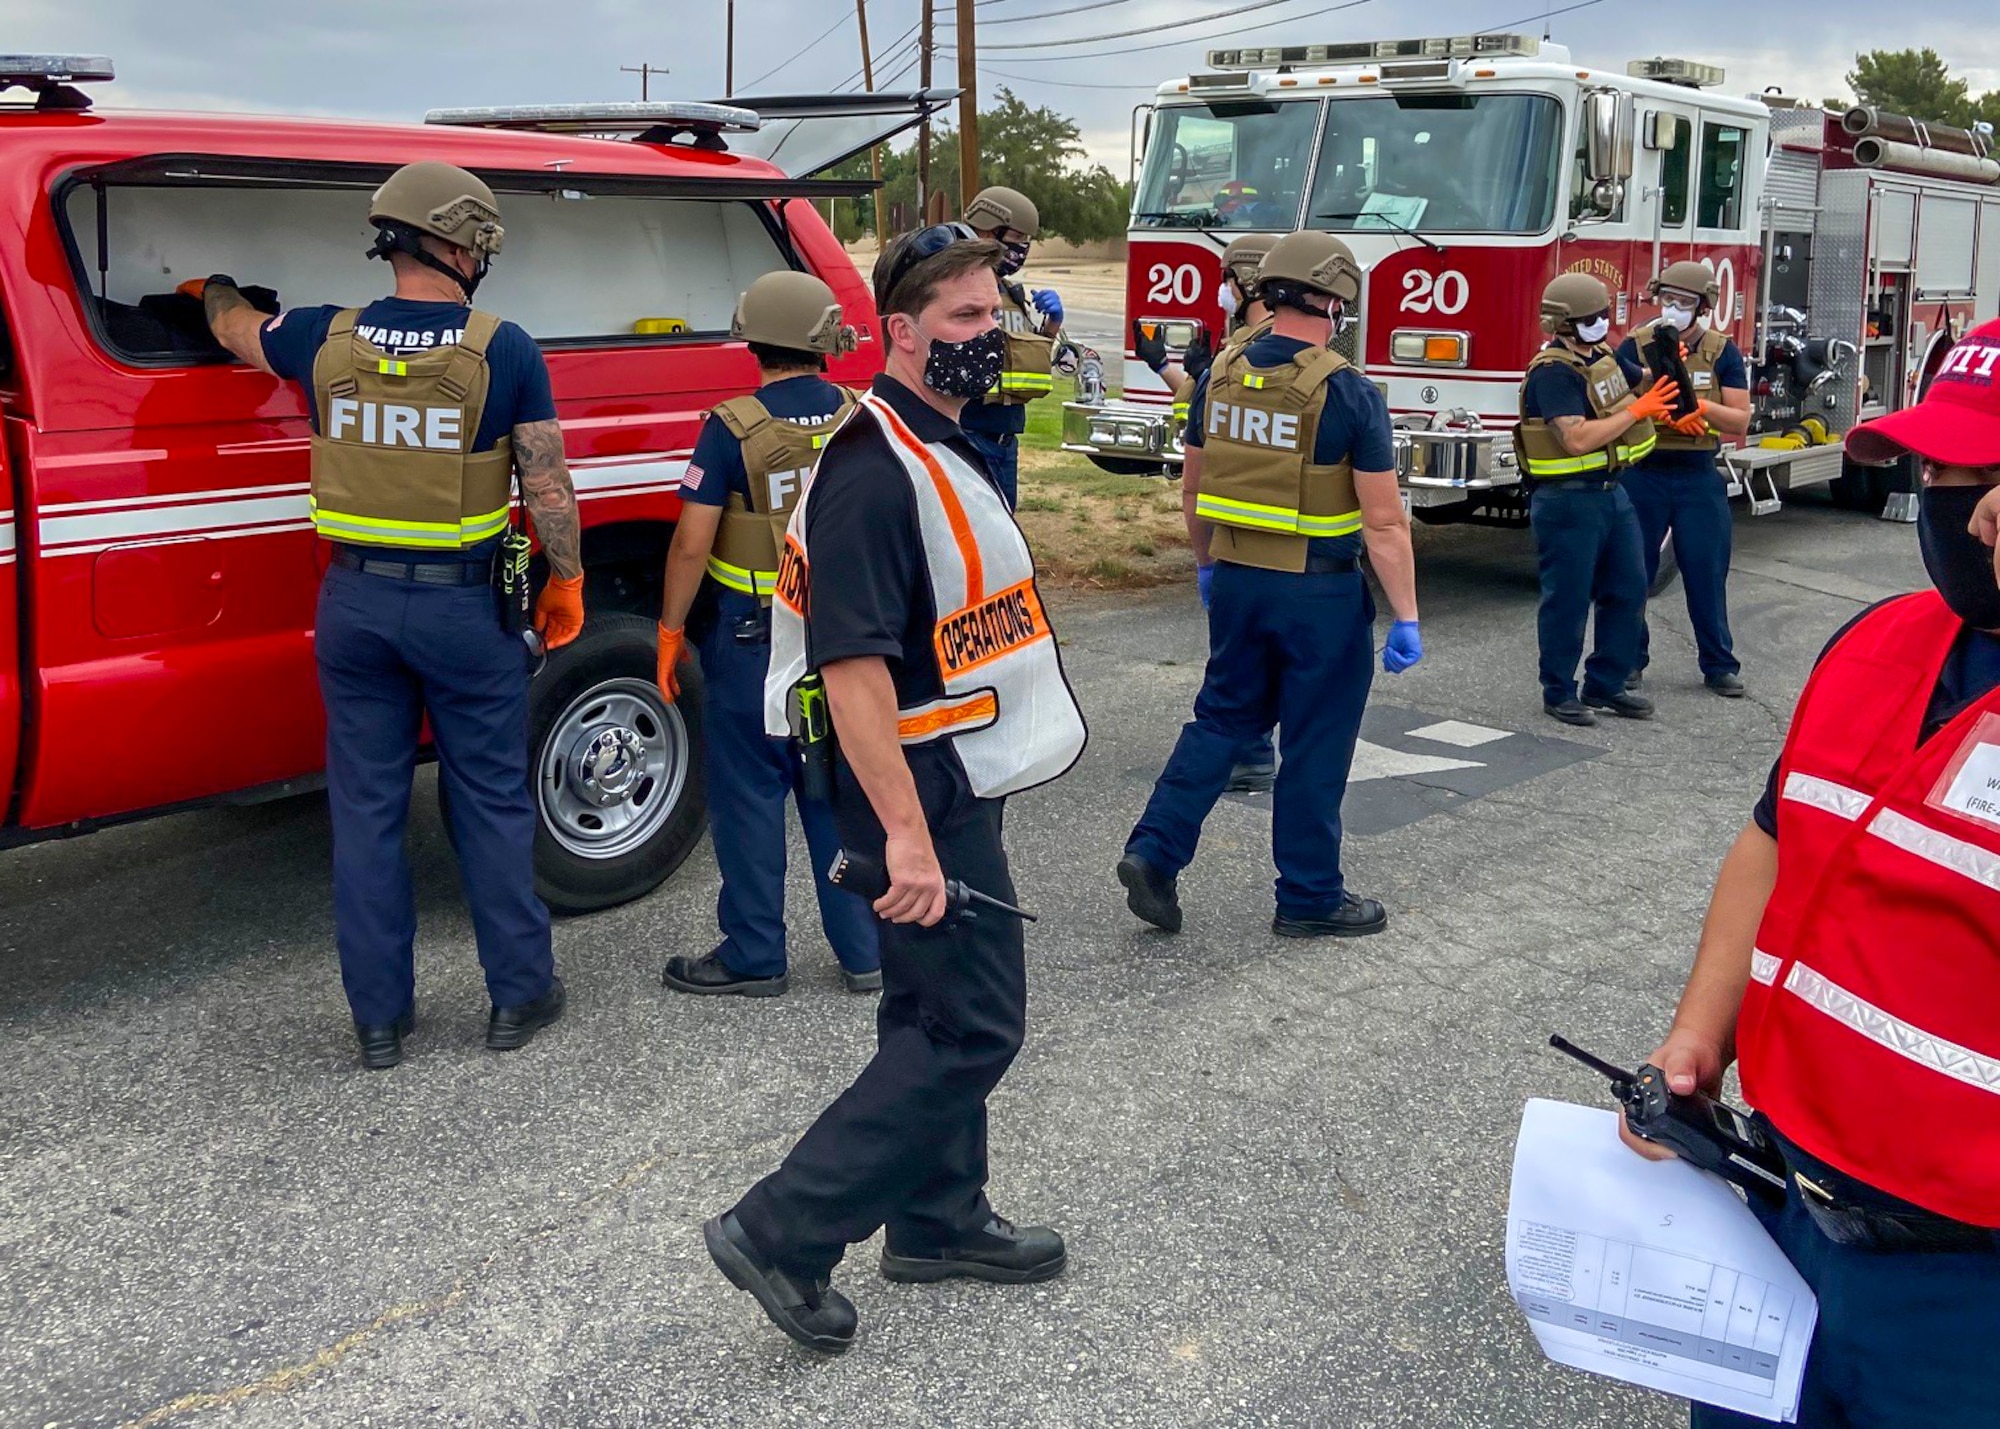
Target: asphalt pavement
column 1281, row 1166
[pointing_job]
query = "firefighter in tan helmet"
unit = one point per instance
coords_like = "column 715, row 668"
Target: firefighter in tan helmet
column 750, row 466
column 1290, row 475
column 1580, row 426
column 1678, row 489
column 1031, row 319
column 425, row 411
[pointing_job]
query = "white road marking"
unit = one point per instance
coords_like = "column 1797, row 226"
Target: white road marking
column 1374, row 761
column 1459, row 734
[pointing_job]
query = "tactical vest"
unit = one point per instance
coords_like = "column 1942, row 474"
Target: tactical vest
column 1259, row 482
column 1026, row 373
column 1006, row 705
column 391, row 464
column 1700, row 362
column 778, row 457
column 1538, row 446
column 1241, row 335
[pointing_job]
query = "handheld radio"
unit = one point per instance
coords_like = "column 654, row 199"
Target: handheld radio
column 1663, row 355
column 858, row 873
column 1709, row 1133
column 812, row 731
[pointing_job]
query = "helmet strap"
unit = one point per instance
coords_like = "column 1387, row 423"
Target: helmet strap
column 400, row 238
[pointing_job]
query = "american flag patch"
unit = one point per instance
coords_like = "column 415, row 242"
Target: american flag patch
column 692, row 481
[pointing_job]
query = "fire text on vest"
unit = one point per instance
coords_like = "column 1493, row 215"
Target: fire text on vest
column 393, row 424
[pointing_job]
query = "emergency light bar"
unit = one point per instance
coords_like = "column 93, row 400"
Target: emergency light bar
column 1444, row 47
column 651, row 122
column 1686, row 73
column 50, row 77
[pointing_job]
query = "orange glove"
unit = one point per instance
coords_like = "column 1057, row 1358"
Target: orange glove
column 672, row 643
column 1656, row 403
column 1694, row 424
column 559, row 611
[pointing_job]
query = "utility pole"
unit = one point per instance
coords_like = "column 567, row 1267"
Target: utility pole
column 875, row 153
column 645, row 73
column 968, row 109
column 926, row 48
column 729, row 55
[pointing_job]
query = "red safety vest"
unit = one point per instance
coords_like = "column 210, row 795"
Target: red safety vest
column 1870, row 1033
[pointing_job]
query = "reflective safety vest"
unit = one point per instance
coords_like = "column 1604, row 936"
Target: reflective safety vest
column 1870, row 1031
column 1700, row 361
column 391, row 464
column 1029, row 367
column 1538, row 446
column 1259, row 482
column 778, row 455
column 1006, row 707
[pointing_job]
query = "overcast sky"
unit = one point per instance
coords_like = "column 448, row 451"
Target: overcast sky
column 396, row 58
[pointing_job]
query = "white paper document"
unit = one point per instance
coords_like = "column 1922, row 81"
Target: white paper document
column 1651, row 1272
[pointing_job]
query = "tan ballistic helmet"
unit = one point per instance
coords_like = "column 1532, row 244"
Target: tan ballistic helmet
column 1570, row 297
column 996, row 208
column 794, row 310
column 1318, row 261
column 1687, row 276
column 444, row 201
column 1242, row 258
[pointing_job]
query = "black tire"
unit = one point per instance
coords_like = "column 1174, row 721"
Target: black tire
column 600, row 686
column 1669, row 568
column 1126, row 466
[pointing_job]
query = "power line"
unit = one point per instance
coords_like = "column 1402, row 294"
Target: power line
column 1544, row 16
column 1065, row 83
column 1150, row 29
column 1187, row 39
column 944, row 21
column 808, row 49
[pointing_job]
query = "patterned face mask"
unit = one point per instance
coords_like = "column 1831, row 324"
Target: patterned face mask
column 965, row 369
column 1016, row 260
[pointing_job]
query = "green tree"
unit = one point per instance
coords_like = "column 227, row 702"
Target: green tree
column 1913, row 82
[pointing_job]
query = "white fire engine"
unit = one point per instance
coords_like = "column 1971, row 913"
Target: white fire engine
column 1851, row 249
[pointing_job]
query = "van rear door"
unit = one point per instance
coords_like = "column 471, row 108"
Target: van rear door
column 807, row 134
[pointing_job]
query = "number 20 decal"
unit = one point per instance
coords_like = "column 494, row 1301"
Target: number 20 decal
column 1173, row 285
column 1445, row 292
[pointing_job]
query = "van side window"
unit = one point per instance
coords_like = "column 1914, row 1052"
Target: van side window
column 619, row 268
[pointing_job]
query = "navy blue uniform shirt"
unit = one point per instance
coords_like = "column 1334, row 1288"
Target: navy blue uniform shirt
column 716, row 469
column 1554, row 390
column 1730, row 371
column 1353, row 426
column 1970, row 673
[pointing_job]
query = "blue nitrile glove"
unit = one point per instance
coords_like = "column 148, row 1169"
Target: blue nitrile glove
column 1204, row 581
column 1049, row 306
column 1404, row 648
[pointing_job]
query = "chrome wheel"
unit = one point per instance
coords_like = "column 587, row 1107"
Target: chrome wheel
column 612, row 768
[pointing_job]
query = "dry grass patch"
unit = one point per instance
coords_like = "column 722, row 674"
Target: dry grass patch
column 1098, row 531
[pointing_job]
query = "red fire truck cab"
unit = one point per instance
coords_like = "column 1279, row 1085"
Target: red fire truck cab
column 157, row 567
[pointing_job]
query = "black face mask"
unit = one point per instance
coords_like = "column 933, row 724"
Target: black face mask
column 1016, row 259
column 1959, row 563
column 966, row 369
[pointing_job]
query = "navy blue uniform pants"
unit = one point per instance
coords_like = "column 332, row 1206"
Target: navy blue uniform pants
column 904, row 1147
column 1002, row 451
column 1694, row 505
column 390, row 651
column 750, row 776
column 1587, row 548
column 1285, row 649
column 1903, row 1341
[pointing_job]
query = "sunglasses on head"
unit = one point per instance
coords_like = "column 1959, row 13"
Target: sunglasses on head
column 924, row 243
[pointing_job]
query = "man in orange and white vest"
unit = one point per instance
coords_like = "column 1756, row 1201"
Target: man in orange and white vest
column 906, row 587
column 1850, row 963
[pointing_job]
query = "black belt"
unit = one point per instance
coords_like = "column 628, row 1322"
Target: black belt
column 1851, row 1213
column 423, row 572
column 1331, row 565
column 1581, row 483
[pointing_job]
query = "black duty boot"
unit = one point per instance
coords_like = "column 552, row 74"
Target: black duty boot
column 510, row 1027
column 709, row 976
column 1003, row 1253
column 1149, row 893
column 1624, row 704
column 810, row 1311
column 862, row 982
column 1354, row 918
column 1730, row 687
column 1635, row 682
column 382, row 1043
column 1570, row 711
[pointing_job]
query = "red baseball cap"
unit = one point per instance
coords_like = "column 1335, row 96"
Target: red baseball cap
column 1957, row 423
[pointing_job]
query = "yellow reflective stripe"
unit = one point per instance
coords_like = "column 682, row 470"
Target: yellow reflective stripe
column 473, row 529
column 1570, row 466
column 1246, row 513
column 1026, row 382
column 391, row 367
column 1638, row 452
column 1254, row 379
column 380, row 530
column 1181, row 410
column 1345, row 524
column 742, row 578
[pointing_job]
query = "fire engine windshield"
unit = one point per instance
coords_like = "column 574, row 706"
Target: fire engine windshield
column 1439, row 163
column 1233, row 164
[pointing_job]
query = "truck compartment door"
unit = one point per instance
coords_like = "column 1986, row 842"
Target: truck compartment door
column 11, row 709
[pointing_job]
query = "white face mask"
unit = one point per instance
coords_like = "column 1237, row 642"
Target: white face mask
column 1594, row 332
column 1680, row 317
column 1226, row 299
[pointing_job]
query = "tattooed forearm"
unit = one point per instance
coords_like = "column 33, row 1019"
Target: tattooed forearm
column 548, row 495
column 236, row 325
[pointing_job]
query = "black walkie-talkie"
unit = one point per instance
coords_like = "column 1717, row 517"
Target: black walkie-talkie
column 1709, row 1133
column 860, row 874
column 1663, row 355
